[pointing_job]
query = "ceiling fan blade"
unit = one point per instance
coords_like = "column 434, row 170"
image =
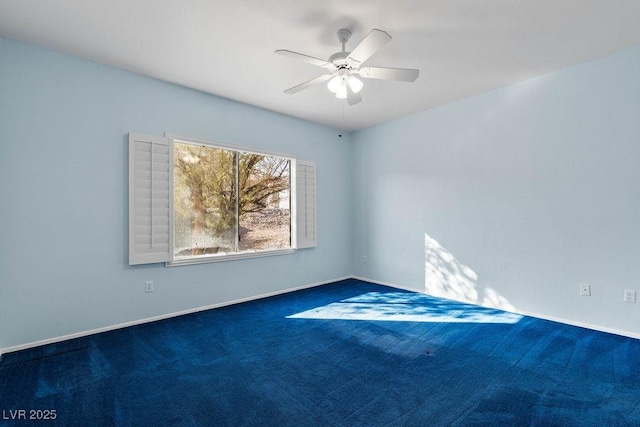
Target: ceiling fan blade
column 306, row 58
column 400, row 74
column 369, row 45
column 301, row 86
column 352, row 97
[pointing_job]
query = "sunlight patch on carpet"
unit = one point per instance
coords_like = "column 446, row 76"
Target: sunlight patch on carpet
column 406, row 307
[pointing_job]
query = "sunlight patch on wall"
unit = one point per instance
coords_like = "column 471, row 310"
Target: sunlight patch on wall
column 406, row 307
column 446, row 277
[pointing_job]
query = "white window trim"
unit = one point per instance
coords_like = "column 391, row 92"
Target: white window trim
column 193, row 140
column 204, row 259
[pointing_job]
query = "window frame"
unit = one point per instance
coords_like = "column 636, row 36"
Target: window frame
column 207, row 258
column 151, row 207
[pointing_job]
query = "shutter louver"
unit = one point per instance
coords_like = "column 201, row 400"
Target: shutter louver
column 306, row 204
column 149, row 199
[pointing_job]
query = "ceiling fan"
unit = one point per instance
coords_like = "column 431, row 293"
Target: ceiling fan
column 343, row 67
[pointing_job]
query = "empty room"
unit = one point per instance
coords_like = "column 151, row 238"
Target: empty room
column 302, row 213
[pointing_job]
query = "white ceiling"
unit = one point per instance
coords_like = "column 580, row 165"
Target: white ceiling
column 225, row 47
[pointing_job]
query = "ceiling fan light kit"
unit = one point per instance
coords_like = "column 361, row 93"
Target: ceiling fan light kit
column 338, row 84
column 343, row 67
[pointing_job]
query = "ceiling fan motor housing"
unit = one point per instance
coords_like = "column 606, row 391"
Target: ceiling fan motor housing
column 339, row 59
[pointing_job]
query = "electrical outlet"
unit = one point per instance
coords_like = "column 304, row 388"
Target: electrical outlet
column 585, row 290
column 365, row 259
column 148, row 286
column 629, row 295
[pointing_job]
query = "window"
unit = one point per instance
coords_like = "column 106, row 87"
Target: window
column 229, row 201
column 193, row 201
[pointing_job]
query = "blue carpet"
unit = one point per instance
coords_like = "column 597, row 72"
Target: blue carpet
column 346, row 354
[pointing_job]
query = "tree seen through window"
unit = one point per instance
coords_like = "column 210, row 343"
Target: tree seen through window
column 228, row 201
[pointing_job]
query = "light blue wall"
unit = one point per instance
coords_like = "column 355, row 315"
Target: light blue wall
column 528, row 191
column 63, row 191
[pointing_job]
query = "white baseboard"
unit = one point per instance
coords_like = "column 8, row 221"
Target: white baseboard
column 523, row 313
column 161, row 317
column 393, row 285
column 627, row 334
column 285, row 291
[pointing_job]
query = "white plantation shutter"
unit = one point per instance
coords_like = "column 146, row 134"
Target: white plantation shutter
column 305, row 204
column 150, row 159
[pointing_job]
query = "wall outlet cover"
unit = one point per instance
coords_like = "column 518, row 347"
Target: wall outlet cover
column 585, row 290
column 629, row 295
